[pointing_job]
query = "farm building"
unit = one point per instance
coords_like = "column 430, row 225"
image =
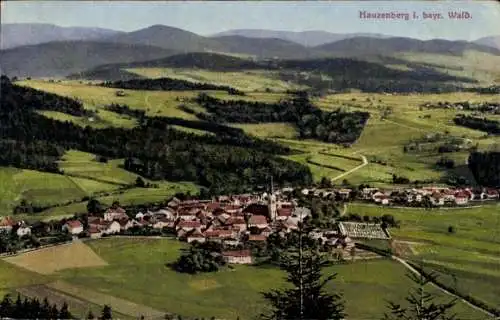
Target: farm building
column 73, row 227
column 238, row 257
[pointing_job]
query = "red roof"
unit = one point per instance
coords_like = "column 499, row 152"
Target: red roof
column 7, row 222
column 232, row 208
column 212, row 206
column 284, row 212
column 258, row 220
column 117, row 209
column 236, row 220
column 74, row 224
column 212, row 234
column 492, row 192
column 239, row 253
column 461, row 194
column 257, row 237
column 93, row 229
column 189, row 224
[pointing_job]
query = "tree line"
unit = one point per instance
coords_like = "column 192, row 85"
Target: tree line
column 168, row 84
column 483, row 124
column 336, row 127
column 229, row 161
column 32, row 308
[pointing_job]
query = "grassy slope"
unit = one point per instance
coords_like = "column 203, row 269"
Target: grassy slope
column 244, row 80
column 481, row 66
column 228, row 294
column 472, row 254
column 84, row 176
column 384, row 139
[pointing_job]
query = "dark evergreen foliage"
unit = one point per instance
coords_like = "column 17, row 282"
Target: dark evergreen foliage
column 307, row 297
column 483, row 124
column 421, row 304
column 224, row 162
column 31, row 308
column 168, row 84
column 336, row 127
column 200, row 257
column 486, row 167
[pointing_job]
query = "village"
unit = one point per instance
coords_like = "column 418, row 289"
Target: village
column 237, row 220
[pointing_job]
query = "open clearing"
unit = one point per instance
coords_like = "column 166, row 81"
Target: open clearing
column 56, row 258
column 133, row 263
column 468, row 259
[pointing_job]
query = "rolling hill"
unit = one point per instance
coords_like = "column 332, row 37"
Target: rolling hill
column 389, row 46
column 493, row 41
column 306, row 38
column 168, row 38
column 264, row 47
column 23, row 34
column 67, row 57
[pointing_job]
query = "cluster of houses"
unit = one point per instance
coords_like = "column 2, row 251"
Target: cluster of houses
column 490, row 107
column 7, row 224
column 437, row 196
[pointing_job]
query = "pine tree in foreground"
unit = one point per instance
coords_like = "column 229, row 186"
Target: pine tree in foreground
column 307, row 298
column 421, row 304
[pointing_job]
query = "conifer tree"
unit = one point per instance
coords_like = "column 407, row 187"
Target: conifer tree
column 421, row 304
column 90, row 315
column 64, row 313
column 106, row 313
column 307, row 299
column 6, row 307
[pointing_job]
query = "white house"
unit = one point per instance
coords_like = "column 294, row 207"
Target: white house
column 23, row 230
column 112, row 228
column 115, row 214
column 73, row 227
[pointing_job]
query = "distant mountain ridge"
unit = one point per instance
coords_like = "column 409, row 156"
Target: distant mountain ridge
column 55, row 59
column 23, row 34
column 493, row 41
column 311, row 38
column 367, row 45
column 158, row 41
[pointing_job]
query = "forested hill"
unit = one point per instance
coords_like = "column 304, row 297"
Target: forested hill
column 343, row 73
column 313, row 123
column 168, row 84
column 223, row 162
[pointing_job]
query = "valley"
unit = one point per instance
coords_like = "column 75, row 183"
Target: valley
column 170, row 174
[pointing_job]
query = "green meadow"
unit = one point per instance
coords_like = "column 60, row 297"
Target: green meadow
column 137, row 272
column 468, row 257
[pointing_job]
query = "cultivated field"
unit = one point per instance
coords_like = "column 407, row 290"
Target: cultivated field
column 52, row 259
column 468, row 258
column 39, row 188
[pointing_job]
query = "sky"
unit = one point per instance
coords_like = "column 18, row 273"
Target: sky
column 209, row 17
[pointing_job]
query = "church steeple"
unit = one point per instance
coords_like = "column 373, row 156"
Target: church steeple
column 272, row 202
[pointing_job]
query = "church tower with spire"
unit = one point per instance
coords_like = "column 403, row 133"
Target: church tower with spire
column 272, row 203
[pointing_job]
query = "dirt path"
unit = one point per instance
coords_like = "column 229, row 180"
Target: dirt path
column 365, row 162
column 436, row 285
